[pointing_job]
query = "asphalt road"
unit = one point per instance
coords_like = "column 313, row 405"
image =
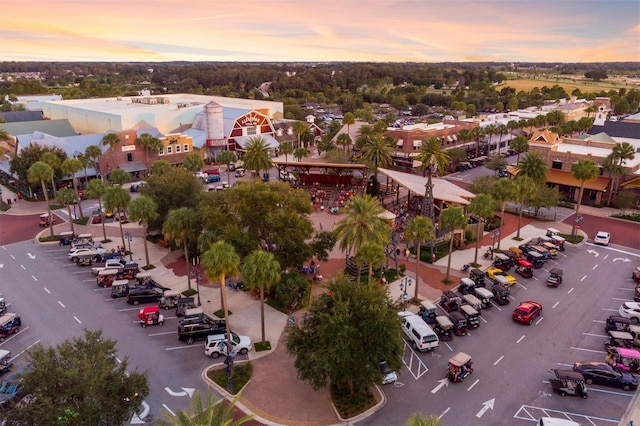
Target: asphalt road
column 509, row 385
column 57, row 300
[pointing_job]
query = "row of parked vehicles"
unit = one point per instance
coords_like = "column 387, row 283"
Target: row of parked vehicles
column 9, row 324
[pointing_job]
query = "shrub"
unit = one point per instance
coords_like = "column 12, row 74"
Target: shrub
column 240, row 376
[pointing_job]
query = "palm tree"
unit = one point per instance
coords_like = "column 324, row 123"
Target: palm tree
column 71, row 166
column 420, row 419
column 583, row 171
column 491, row 130
column 418, row 230
column 433, row 157
column 300, row 153
column 54, row 161
column 503, row 191
column 256, row 156
column 143, row 209
column 117, row 198
column 590, row 109
column 624, row 151
column 67, row 197
column 377, row 153
column 119, row 177
column 611, row 165
column 222, row 261
column 110, row 139
column 362, row 224
column 299, row 127
column 371, row 254
column 93, row 152
column 348, row 119
column 478, row 133
column 343, row 140
column 41, row 172
column 207, row 413
column 286, row 148
column 501, row 130
column 149, row 143
column 85, row 164
column 481, row 206
column 261, row 271
column 533, row 166
column 227, row 157
column 96, row 189
column 452, row 218
column 181, row 226
column 365, row 133
column 525, row 189
column 193, row 162
column 519, row 144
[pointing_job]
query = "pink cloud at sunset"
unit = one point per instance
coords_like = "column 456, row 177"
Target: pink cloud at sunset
column 331, row 30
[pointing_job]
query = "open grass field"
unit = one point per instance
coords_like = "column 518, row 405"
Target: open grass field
column 569, row 85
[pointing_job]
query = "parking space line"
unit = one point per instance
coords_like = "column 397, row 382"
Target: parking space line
column 628, row 395
column 600, row 321
column 570, row 290
column 22, row 266
column 449, row 347
column 588, row 350
column 76, row 318
column 81, row 272
column 47, row 290
column 22, row 330
column 564, row 365
column 627, row 289
column 60, row 257
column 583, row 278
column 555, row 304
column 594, row 335
column 25, row 349
column 88, row 281
column 474, row 383
column 183, row 347
column 531, row 413
column 520, row 339
column 539, row 320
column 162, row 333
column 610, row 310
column 128, row 309
column 34, row 278
column 594, row 267
column 498, row 360
column 60, row 303
column 444, row 412
column 620, row 299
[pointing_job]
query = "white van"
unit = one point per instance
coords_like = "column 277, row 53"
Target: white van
column 552, row 421
column 419, row 333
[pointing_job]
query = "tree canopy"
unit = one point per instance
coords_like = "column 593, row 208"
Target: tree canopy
column 79, row 382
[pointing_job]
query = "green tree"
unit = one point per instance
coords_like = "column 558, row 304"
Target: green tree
column 261, row 271
column 377, row 153
column 149, row 143
column 96, row 189
column 256, row 156
column 519, row 144
column 482, row 184
column 420, row 419
column 182, row 227
column 299, row 128
column 621, row 152
column 348, row 322
column 418, row 230
column 544, row 197
column 349, row 119
column 362, row 224
column 20, row 164
column 371, row 254
column 491, row 130
column 533, row 165
column 119, row 177
column 160, row 167
column 193, row 162
column 612, row 166
column 583, row 171
column 117, row 199
column 143, row 209
column 222, row 261
column 300, row 153
column 452, row 218
column 434, row 158
column 481, row 206
column 478, row 133
column 205, row 413
column 93, row 153
column 228, row 158
column 343, row 140
column 496, row 163
column 67, row 197
column 71, row 166
column 61, row 392
column 502, row 192
column 54, row 161
column 42, row 172
column 286, row 148
column 525, row 190
column 110, row 139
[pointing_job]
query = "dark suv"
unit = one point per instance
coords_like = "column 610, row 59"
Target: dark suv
column 603, row 374
column 190, row 331
column 139, row 295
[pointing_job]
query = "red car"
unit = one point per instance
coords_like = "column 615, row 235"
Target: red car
column 527, row 311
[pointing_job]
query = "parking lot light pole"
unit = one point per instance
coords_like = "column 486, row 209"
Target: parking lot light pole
column 129, row 237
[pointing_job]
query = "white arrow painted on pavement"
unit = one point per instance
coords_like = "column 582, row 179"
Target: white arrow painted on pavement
column 31, row 256
column 185, row 392
column 486, row 405
column 593, row 252
column 137, row 418
column 443, row 382
column 623, row 259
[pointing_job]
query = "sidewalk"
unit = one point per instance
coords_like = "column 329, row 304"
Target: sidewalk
column 275, row 394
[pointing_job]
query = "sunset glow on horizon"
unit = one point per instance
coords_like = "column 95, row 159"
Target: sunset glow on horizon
column 321, row 31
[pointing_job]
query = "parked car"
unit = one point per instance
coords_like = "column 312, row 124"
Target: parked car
column 189, row 332
column 200, row 175
column 527, row 311
column 74, row 253
column 144, row 295
column 213, row 178
column 630, row 310
column 96, row 216
column 388, row 375
column 603, row 374
column 217, row 345
column 602, row 237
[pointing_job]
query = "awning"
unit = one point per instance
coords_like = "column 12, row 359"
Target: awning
column 90, row 172
column 400, row 142
column 417, row 143
column 559, row 177
column 443, row 190
column 269, row 140
column 449, row 139
column 135, row 166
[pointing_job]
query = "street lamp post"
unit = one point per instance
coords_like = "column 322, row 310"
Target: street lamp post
column 196, row 274
column 129, row 237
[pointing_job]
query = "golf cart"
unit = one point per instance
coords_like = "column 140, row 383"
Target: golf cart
column 460, row 366
column 120, row 288
column 3, row 306
column 169, row 299
column 525, row 268
column 569, row 382
column 5, row 361
column 428, row 311
column 555, row 277
column 46, row 220
column 449, row 301
column 66, row 238
column 150, row 316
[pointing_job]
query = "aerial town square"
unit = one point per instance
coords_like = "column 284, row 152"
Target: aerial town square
column 291, row 213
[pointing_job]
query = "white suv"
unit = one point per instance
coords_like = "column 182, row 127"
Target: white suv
column 602, row 237
column 630, row 310
column 216, row 345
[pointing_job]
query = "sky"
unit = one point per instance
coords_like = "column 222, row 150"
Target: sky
column 320, row 30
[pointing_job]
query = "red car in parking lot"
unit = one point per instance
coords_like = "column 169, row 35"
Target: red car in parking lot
column 527, row 311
